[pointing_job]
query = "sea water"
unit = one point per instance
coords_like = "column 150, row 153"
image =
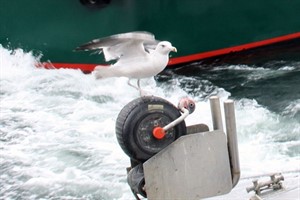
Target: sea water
column 57, row 127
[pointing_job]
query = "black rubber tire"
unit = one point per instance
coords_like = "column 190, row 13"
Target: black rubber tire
column 136, row 121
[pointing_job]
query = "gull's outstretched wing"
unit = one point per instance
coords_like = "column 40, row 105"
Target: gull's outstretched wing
column 122, row 46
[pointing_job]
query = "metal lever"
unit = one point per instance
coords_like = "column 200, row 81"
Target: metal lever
column 186, row 106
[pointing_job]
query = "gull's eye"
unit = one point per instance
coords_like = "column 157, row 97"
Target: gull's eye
column 163, row 46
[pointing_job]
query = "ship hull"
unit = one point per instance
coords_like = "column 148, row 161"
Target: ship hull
column 55, row 28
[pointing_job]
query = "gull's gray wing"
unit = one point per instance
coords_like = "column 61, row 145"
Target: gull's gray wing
column 124, row 45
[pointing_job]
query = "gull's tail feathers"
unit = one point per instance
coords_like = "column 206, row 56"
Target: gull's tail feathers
column 101, row 72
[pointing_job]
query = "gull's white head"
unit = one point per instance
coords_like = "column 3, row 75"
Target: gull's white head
column 165, row 47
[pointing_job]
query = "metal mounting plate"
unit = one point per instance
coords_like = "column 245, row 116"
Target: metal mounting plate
column 193, row 167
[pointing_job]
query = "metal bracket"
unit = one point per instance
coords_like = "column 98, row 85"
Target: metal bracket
column 274, row 183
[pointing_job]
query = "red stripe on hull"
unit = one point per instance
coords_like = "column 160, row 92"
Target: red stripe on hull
column 209, row 54
column 82, row 67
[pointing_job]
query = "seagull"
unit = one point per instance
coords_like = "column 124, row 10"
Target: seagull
column 137, row 54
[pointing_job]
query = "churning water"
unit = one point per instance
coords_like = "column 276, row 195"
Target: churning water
column 57, row 126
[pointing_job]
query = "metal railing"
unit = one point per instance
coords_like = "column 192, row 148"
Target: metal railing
column 232, row 142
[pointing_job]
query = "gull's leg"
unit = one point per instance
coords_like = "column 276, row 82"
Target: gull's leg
column 138, row 87
column 138, row 84
column 142, row 92
column 128, row 82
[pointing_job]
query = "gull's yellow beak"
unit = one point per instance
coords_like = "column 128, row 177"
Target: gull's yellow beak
column 174, row 49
